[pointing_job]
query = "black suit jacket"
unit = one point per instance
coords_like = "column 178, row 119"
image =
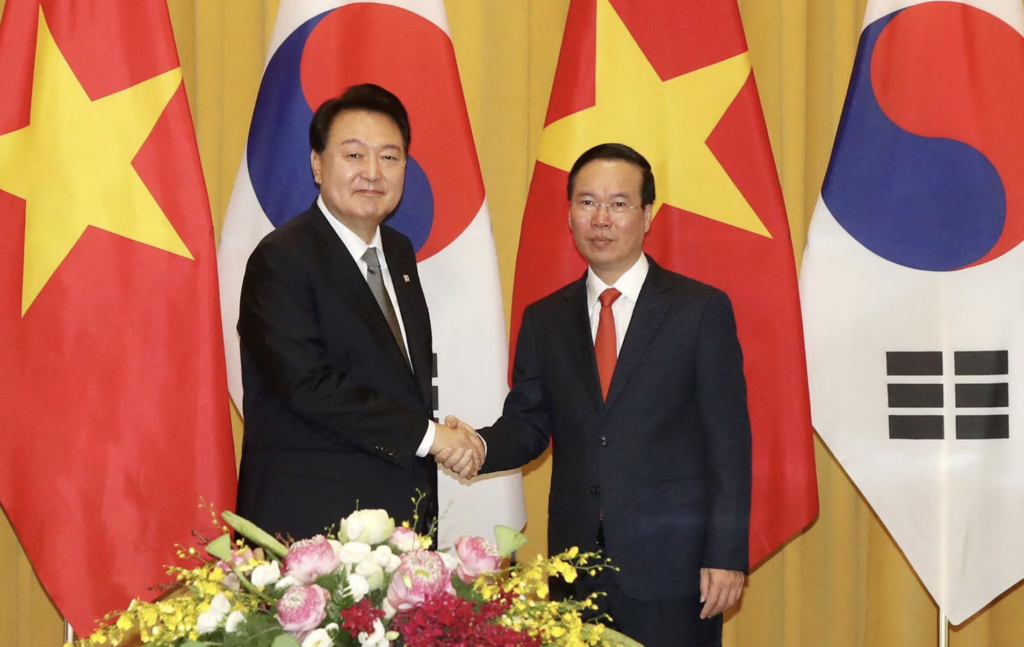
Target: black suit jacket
column 333, row 413
column 665, row 461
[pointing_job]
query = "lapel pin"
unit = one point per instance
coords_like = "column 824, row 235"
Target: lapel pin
column 406, row 277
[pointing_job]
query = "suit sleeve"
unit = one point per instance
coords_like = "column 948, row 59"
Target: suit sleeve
column 279, row 327
column 725, row 425
column 523, row 432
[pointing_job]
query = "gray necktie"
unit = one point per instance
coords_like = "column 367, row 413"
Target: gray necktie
column 375, row 279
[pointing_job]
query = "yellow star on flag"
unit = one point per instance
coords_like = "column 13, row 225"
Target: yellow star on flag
column 73, row 165
column 669, row 122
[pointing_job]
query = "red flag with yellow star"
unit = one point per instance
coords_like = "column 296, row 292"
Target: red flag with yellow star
column 113, row 398
column 672, row 79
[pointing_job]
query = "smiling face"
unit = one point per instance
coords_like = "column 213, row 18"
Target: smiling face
column 361, row 171
column 610, row 243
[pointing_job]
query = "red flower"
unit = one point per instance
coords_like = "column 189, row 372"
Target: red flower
column 451, row 621
column 360, row 617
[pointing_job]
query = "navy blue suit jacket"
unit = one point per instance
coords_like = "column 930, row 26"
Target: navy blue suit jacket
column 665, row 461
column 333, row 413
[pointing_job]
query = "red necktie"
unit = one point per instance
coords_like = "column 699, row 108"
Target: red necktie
column 604, row 342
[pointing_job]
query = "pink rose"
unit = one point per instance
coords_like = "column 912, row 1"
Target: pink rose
column 476, row 556
column 403, row 539
column 301, row 609
column 310, row 558
column 421, row 574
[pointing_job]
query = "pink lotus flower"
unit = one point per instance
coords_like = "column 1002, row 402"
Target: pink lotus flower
column 302, row 608
column 476, row 556
column 422, row 574
column 310, row 558
column 403, row 539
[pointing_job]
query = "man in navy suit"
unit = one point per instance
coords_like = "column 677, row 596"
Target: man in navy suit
column 336, row 344
column 636, row 374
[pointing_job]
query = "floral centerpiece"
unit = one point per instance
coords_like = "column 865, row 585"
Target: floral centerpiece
column 371, row 585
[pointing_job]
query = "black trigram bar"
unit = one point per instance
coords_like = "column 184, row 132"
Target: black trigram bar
column 915, row 395
column 913, row 363
column 433, row 365
column 981, row 362
column 982, row 395
column 982, row 427
column 434, row 398
column 916, row 427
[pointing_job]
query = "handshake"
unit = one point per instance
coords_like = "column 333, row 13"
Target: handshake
column 458, row 447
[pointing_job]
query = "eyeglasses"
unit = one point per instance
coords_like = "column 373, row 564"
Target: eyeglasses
column 617, row 208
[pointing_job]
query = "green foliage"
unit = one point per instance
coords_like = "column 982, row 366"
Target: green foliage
column 466, row 591
column 258, row 630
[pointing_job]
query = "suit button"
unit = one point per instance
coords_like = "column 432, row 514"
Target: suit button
column 602, row 441
column 594, row 489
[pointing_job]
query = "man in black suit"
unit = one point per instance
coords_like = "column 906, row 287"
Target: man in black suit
column 336, row 344
column 636, row 374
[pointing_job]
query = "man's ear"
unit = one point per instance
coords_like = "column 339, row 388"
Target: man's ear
column 314, row 163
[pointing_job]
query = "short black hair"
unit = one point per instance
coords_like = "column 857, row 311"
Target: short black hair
column 622, row 153
column 365, row 97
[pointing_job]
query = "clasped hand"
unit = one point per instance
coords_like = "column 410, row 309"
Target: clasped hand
column 458, row 447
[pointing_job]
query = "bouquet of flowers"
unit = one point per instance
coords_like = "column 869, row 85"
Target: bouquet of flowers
column 371, row 585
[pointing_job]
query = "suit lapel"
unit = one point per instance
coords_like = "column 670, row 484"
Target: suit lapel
column 580, row 339
column 650, row 309
column 344, row 274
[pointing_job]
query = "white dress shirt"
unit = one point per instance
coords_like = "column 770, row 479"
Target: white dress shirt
column 629, row 285
column 356, row 246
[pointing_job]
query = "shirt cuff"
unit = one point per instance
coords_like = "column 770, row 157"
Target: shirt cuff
column 428, row 440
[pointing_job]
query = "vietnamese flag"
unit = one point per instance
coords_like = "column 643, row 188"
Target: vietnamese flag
column 113, row 398
column 672, row 79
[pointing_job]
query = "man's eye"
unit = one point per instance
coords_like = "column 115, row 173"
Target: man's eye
column 587, row 203
column 619, row 204
column 353, row 155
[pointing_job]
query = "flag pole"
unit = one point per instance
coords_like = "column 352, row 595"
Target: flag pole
column 69, row 633
column 943, row 629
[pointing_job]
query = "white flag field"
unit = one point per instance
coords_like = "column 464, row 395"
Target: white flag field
column 913, row 291
column 318, row 48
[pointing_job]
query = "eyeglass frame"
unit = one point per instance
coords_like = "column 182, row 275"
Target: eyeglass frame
column 614, row 208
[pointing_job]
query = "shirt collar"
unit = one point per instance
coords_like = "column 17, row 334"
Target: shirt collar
column 629, row 284
column 355, row 245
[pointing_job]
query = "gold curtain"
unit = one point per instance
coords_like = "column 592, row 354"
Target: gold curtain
column 843, row 582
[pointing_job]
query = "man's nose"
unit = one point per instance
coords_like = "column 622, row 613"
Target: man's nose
column 371, row 169
column 601, row 218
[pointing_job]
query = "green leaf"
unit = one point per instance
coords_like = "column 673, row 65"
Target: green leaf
column 285, row 640
column 509, row 540
column 220, row 547
column 255, row 534
column 613, row 637
column 465, row 591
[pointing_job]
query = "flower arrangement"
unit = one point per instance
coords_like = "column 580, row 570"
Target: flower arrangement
column 371, row 585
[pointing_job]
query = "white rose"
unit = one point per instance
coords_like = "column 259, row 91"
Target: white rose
column 286, row 582
column 358, row 587
column 220, row 605
column 393, row 563
column 354, row 552
column 265, row 574
column 374, row 574
column 389, row 611
column 208, row 621
column 319, row 637
column 375, row 639
column 381, row 556
column 235, row 618
column 367, row 526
